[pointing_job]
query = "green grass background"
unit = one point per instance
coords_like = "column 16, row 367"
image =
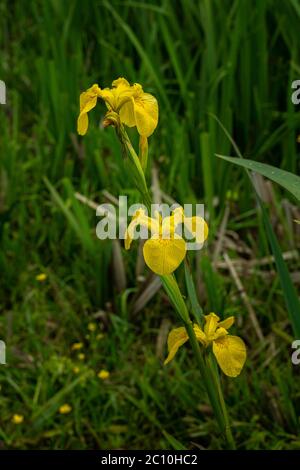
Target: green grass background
column 234, row 59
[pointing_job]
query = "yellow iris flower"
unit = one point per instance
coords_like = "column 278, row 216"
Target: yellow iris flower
column 134, row 107
column 230, row 351
column 165, row 250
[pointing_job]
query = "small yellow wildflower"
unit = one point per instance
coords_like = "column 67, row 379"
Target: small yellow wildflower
column 17, row 419
column 230, row 351
column 133, row 106
column 41, row 277
column 99, row 336
column 165, row 250
column 76, row 346
column 298, row 139
column 103, row 374
column 81, row 356
column 65, row 409
column 92, row 326
column 76, row 370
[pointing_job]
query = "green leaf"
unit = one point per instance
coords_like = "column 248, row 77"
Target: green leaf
column 176, row 445
column 286, row 179
column 289, row 291
column 293, row 185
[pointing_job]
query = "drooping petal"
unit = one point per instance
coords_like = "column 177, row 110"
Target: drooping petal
column 197, row 227
column 163, row 256
column 88, row 100
column 210, row 326
column 146, row 114
column 140, row 218
column 82, row 123
column 230, row 352
column 176, row 338
column 227, row 323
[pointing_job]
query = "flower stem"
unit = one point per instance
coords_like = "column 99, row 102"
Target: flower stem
column 137, row 170
column 227, row 427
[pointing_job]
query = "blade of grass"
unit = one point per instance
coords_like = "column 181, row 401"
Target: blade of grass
column 286, row 179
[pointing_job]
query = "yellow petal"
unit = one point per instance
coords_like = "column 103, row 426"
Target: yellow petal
column 210, row 326
column 127, row 115
column 129, row 232
column 230, row 352
column 227, row 323
column 169, row 224
column 176, row 338
column 140, row 218
column 163, row 256
column 197, row 227
column 220, row 333
column 82, row 123
column 88, row 100
column 200, row 335
column 121, row 83
column 109, row 96
column 146, row 114
column 123, row 93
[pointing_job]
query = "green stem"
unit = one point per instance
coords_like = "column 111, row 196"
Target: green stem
column 216, row 379
column 205, row 375
column 137, row 169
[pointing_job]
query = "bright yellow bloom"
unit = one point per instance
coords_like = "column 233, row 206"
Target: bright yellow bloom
column 92, row 326
column 17, row 419
column 230, row 351
column 165, row 250
column 134, row 107
column 41, row 277
column 81, row 356
column 103, row 374
column 65, row 409
column 76, row 346
column 76, row 370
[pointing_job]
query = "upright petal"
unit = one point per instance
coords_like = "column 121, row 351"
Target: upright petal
column 230, row 352
column 200, row 335
column 176, row 338
column 146, row 114
column 210, row 326
column 109, row 97
column 169, row 224
column 163, row 256
column 126, row 113
column 121, row 83
column 219, row 333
